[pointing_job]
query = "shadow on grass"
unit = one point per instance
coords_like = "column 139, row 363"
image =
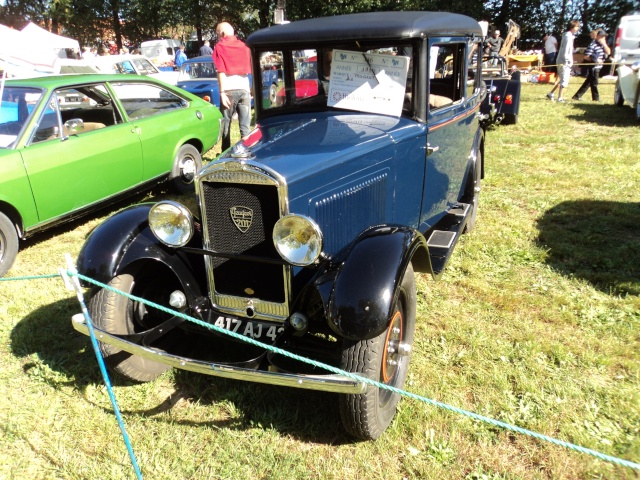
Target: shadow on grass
column 596, row 241
column 47, row 333
column 605, row 114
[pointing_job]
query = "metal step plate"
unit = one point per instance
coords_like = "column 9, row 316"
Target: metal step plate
column 459, row 210
column 441, row 239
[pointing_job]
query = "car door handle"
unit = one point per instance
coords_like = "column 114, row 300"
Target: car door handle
column 431, row 149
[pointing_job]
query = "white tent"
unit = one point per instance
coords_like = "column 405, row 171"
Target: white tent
column 32, row 46
column 46, row 39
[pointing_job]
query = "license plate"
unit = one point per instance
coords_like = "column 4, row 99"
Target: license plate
column 250, row 328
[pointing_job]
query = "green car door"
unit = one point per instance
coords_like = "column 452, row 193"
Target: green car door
column 81, row 166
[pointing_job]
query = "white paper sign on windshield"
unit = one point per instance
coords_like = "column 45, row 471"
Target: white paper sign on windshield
column 368, row 82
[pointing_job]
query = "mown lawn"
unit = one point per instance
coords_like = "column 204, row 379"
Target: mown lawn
column 536, row 322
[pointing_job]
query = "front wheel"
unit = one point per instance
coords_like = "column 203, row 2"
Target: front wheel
column 385, row 359
column 637, row 101
column 472, row 192
column 119, row 315
column 186, row 164
column 8, row 244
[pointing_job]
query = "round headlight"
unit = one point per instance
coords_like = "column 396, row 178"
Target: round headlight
column 171, row 223
column 298, row 239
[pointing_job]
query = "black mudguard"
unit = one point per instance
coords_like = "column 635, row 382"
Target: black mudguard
column 359, row 294
column 125, row 238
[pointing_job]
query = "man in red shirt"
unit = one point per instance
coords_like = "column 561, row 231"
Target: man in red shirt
column 233, row 63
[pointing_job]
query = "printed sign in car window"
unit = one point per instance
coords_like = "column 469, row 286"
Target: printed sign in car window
column 368, row 82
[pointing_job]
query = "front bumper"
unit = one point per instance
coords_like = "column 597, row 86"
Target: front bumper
column 326, row 383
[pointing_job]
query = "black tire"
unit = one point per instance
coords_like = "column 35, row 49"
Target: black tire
column 472, row 192
column 510, row 119
column 118, row 314
column 367, row 415
column 637, row 102
column 618, row 99
column 186, row 164
column 8, row 244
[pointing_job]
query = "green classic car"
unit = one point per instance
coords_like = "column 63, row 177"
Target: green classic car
column 71, row 144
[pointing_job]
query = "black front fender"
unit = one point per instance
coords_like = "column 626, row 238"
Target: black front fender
column 125, row 238
column 364, row 286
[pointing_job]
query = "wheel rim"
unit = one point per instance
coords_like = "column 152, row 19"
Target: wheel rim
column 3, row 242
column 187, row 169
column 391, row 355
column 272, row 93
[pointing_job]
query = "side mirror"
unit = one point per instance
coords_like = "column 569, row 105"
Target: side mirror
column 73, row 126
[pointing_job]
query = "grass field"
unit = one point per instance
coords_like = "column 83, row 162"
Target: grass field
column 536, row 322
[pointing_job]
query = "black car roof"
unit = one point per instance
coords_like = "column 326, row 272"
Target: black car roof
column 365, row 26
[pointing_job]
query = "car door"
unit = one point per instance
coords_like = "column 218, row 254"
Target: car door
column 67, row 170
column 159, row 116
column 451, row 126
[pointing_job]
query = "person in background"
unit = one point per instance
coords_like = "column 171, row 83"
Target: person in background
column 493, row 45
column 205, row 49
column 180, row 57
column 594, row 57
column 232, row 59
column 565, row 60
column 550, row 52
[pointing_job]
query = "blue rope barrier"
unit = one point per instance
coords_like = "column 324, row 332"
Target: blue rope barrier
column 103, row 370
column 330, row 368
column 29, row 277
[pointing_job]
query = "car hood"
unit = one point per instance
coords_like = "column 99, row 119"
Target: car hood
column 297, row 146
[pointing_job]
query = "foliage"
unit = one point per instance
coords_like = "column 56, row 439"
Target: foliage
column 95, row 21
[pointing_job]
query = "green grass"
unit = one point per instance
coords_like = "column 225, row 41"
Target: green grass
column 535, row 322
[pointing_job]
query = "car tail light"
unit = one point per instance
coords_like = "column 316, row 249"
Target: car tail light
column 508, row 100
column 207, row 98
column 496, row 98
column 618, row 37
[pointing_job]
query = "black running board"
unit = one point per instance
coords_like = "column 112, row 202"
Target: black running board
column 444, row 237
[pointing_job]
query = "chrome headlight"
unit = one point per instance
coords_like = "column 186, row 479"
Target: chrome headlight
column 298, row 239
column 171, row 223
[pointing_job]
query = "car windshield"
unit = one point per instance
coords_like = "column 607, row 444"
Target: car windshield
column 375, row 78
column 197, row 70
column 17, row 106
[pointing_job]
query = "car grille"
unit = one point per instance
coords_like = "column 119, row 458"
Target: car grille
column 239, row 211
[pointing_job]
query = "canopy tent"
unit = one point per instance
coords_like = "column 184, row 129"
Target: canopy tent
column 32, row 48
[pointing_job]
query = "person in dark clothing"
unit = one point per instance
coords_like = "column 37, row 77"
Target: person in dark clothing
column 594, row 57
column 205, row 49
column 492, row 47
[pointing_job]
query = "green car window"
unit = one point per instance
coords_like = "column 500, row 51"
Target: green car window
column 142, row 100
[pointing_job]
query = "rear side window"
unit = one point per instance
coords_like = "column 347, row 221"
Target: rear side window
column 141, row 100
column 447, row 74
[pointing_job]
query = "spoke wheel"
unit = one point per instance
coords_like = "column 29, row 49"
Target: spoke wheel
column 185, row 166
column 385, row 359
column 118, row 314
column 8, row 244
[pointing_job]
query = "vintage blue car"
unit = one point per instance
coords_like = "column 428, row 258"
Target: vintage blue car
column 308, row 232
column 199, row 77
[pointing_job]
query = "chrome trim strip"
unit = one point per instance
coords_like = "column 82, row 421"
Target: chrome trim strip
column 325, row 383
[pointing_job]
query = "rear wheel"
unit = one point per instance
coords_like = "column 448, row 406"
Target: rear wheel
column 637, row 101
column 186, row 164
column 618, row 99
column 8, row 244
column 385, row 359
column 120, row 315
column 472, row 193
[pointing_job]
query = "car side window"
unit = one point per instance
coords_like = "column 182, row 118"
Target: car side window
column 473, row 80
column 142, row 100
column 447, row 76
column 80, row 110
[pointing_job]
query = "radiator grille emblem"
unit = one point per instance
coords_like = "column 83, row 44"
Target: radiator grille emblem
column 242, row 217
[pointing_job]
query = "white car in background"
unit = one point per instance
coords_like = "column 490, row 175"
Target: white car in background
column 628, row 86
column 133, row 64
